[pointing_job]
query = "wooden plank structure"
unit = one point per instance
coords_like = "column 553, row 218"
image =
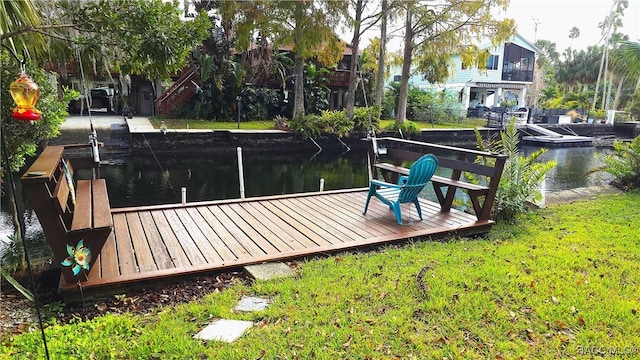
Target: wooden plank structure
column 156, row 243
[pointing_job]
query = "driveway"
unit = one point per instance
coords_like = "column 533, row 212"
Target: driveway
column 100, row 121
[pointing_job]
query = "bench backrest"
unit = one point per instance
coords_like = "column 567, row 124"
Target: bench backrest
column 50, row 188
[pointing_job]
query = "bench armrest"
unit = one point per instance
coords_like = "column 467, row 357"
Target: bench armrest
column 384, row 184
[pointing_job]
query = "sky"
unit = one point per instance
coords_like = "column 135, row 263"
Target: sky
column 555, row 18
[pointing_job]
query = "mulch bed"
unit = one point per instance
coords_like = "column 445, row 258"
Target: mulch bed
column 17, row 314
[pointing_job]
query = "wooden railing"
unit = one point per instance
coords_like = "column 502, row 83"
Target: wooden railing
column 458, row 160
column 179, row 93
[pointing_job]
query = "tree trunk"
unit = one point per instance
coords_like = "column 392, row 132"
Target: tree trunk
column 298, row 66
column 608, row 95
column 595, row 93
column 353, row 80
column 604, row 101
column 381, row 56
column 616, row 99
column 298, row 86
column 401, row 116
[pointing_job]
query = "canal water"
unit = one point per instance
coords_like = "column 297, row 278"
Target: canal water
column 148, row 180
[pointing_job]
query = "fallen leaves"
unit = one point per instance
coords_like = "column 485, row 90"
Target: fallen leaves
column 347, row 344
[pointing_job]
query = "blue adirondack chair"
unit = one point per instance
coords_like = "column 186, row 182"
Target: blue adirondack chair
column 407, row 189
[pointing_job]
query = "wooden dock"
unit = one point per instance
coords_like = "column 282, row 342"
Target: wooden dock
column 168, row 241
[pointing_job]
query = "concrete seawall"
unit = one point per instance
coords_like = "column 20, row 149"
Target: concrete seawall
column 137, row 135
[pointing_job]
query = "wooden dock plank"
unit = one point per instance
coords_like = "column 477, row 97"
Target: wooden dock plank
column 156, row 244
column 248, row 228
column 236, row 233
column 286, row 232
column 385, row 216
column 256, row 229
column 216, row 236
column 321, row 217
column 210, row 227
column 354, row 210
column 195, row 229
column 143, row 254
column 355, row 223
column 109, row 258
column 175, row 249
column 293, row 222
column 126, row 258
column 187, row 242
column 294, row 213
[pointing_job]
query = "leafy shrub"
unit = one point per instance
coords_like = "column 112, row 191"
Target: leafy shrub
column 280, row 122
column 328, row 122
column 308, row 125
column 336, row 122
column 408, row 127
column 364, row 118
column 424, row 105
column 623, row 164
column 22, row 138
column 522, row 175
column 258, row 103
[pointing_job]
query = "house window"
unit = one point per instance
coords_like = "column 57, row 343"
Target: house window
column 518, row 63
column 396, row 78
column 492, row 62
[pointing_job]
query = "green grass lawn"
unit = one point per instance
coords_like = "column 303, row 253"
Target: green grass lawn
column 268, row 124
column 561, row 283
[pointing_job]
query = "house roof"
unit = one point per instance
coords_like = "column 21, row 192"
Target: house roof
column 486, row 44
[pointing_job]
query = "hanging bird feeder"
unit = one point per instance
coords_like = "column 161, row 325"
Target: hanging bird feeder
column 25, row 93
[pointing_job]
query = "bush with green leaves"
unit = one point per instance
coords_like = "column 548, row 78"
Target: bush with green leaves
column 23, row 137
column 366, row 119
column 328, row 122
column 336, row 122
column 425, row 105
column 407, row 127
column 308, row 125
column 522, row 175
column 258, row 103
column 623, row 163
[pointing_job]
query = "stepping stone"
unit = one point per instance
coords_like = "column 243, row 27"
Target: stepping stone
column 269, row 271
column 252, row 303
column 224, row 330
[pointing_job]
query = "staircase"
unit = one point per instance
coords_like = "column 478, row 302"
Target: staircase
column 179, row 93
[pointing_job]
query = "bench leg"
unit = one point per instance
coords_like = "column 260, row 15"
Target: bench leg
column 474, row 196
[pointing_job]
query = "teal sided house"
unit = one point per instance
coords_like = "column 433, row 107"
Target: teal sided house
column 509, row 71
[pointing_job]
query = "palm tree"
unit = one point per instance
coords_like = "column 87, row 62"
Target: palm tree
column 18, row 20
column 626, row 61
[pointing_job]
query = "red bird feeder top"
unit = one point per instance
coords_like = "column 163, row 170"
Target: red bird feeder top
column 25, row 93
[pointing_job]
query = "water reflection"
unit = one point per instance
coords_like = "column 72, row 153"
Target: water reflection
column 573, row 165
column 146, row 180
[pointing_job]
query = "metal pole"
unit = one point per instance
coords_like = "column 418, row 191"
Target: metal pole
column 184, row 195
column 239, row 105
column 321, row 185
column 240, row 172
column 18, row 211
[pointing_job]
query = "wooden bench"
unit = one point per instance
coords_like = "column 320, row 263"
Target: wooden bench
column 69, row 211
column 482, row 196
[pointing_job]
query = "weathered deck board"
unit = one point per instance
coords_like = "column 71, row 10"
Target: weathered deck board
column 126, row 260
column 141, row 248
column 187, row 242
column 154, row 243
